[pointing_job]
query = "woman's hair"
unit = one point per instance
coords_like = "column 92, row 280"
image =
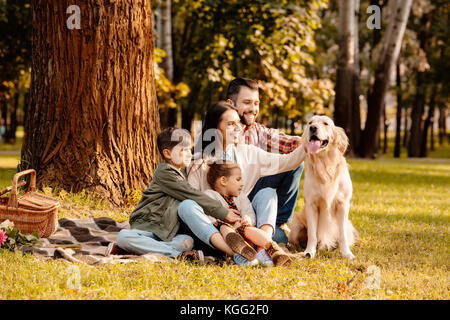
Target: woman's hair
column 220, row 168
column 211, row 121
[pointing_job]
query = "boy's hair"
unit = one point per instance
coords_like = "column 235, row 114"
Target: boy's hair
column 170, row 137
column 235, row 86
column 220, row 168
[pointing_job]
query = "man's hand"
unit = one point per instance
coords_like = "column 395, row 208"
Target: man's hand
column 233, row 216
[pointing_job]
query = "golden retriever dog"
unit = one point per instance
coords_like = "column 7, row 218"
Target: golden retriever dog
column 327, row 190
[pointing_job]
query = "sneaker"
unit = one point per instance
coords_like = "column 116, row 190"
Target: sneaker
column 240, row 246
column 279, row 257
column 241, row 261
column 264, row 259
column 192, row 255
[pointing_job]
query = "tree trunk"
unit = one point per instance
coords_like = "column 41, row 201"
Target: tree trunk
column 428, row 122
column 405, row 129
column 11, row 132
column 355, row 137
column 93, row 118
column 387, row 61
column 385, row 130
column 345, row 70
column 417, row 121
column 398, row 118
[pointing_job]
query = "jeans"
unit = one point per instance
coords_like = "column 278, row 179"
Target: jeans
column 287, row 186
column 142, row 242
column 264, row 204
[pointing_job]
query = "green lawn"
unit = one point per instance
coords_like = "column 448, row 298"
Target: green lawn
column 400, row 208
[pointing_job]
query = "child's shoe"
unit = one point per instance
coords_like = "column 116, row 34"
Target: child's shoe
column 192, row 255
column 264, row 259
column 279, row 257
column 240, row 246
column 241, row 261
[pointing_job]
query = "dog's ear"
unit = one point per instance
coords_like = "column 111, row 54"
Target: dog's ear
column 340, row 139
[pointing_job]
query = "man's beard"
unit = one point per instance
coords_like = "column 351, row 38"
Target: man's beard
column 244, row 121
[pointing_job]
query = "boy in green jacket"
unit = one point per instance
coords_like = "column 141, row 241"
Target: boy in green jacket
column 154, row 223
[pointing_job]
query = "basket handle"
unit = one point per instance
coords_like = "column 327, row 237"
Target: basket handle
column 12, row 202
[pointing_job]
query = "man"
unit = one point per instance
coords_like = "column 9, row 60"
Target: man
column 244, row 95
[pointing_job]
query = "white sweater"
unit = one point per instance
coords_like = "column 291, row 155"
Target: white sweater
column 254, row 162
column 242, row 203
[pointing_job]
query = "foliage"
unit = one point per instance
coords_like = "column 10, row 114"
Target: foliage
column 14, row 237
column 215, row 41
column 167, row 92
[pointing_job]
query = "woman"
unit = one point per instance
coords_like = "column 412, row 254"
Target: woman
column 220, row 139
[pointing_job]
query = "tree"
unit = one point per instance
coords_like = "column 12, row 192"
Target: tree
column 93, row 117
column 347, row 108
column 386, row 63
column 345, row 66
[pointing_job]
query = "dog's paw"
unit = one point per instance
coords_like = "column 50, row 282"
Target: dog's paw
column 349, row 255
column 309, row 254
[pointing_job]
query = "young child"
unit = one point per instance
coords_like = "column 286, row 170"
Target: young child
column 154, row 223
column 225, row 178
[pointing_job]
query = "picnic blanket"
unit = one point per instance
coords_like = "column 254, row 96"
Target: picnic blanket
column 88, row 241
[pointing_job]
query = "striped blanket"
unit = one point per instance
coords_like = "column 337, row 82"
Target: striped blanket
column 88, row 241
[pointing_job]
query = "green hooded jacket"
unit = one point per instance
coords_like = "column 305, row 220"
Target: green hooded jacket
column 157, row 211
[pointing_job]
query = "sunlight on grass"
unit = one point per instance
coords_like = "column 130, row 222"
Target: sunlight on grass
column 400, row 208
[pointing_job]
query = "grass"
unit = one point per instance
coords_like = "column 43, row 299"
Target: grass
column 400, row 208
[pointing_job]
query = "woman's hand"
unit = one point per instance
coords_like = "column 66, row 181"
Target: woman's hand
column 233, row 216
column 245, row 221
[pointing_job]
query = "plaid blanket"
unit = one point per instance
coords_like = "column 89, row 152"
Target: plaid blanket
column 88, row 241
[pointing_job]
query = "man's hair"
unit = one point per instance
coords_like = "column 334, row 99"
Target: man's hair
column 170, row 137
column 235, row 86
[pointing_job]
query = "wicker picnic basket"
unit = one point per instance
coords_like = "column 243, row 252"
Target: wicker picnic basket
column 33, row 212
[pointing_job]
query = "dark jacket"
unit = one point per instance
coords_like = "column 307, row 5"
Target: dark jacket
column 157, row 211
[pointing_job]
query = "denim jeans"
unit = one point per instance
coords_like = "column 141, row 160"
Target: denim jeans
column 287, row 186
column 264, row 204
column 196, row 220
column 142, row 242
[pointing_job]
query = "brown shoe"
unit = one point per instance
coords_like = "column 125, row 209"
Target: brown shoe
column 240, row 246
column 192, row 255
column 279, row 257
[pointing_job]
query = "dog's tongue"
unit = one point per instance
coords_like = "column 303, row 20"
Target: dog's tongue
column 313, row 146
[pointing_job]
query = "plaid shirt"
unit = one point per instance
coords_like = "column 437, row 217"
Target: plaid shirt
column 270, row 139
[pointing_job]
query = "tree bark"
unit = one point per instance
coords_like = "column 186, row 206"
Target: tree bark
column 387, row 61
column 93, row 118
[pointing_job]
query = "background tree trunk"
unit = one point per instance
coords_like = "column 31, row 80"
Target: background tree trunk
column 417, row 121
column 428, row 123
column 93, row 119
column 343, row 105
column 387, row 61
column 355, row 137
column 398, row 118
